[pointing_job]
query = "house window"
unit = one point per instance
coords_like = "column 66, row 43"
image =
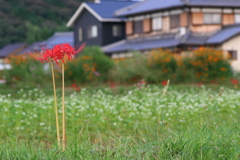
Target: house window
column 138, row 26
column 116, row 30
column 232, row 55
column 212, row 18
column 157, row 23
column 237, row 18
column 174, row 21
column 92, row 31
column 80, row 36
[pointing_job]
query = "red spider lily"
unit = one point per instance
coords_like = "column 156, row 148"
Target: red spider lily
column 214, row 82
column 57, row 53
column 164, row 83
column 47, row 55
column 141, row 84
column 74, row 85
column 200, row 84
column 112, row 85
column 67, row 49
column 234, row 81
column 78, row 89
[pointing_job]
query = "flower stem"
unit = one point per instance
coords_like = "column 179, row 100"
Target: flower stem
column 55, row 104
column 63, row 112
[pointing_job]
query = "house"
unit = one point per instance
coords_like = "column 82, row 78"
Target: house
column 95, row 23
column 180, row 24
column 9, row 50
column 57, row 38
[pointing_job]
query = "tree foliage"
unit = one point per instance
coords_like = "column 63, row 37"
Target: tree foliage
column 33, row 20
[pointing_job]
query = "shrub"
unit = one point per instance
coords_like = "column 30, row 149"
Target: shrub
column 130, row 70
column 25, row 69
column 162, row 66
column 90, row 66
column 185, row 73
column 210, row 64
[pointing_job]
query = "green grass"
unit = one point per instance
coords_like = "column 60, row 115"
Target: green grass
column 187, row 123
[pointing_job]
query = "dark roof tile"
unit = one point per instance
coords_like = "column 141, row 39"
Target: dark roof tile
column 11, row 48
column 57, row 38
column 106, row 8
column 143, row 44
column 225, row 34
column 154, row 5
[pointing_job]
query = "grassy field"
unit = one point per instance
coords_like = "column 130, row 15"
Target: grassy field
column 186, row 123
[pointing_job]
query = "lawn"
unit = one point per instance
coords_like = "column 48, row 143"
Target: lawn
column 186, row 123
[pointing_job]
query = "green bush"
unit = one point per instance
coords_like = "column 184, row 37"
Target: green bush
column 27, row 70
column 162, row 66
column 130, row 70
column 185, row 72
column 210, row 64
column 90, row 66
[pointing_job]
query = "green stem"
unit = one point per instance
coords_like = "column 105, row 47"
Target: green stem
column 63, row 111
column 55, row 104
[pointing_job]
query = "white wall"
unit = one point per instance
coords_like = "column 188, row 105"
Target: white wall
column 233, row 44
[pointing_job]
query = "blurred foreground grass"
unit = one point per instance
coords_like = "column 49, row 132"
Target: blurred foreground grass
column 187, row 123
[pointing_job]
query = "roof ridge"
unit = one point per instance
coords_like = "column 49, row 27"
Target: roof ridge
column 112, row 1
column 129, row 7
column 62, row 33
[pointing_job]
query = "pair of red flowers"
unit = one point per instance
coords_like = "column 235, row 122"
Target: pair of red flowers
column 58, row 52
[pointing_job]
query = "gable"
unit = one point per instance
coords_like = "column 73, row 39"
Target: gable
column 78, row 13
column 103, row 11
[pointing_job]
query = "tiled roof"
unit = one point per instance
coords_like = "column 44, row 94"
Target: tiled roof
column 32, row 48
column 165, row 41
column 150, row 5
column 106, row 8
column 11, row 48
column 154, row 5
column 215, row 3
column 224, row 34
column 173, row 40
column 57, row 38
column 195, row 38
column 103, row 11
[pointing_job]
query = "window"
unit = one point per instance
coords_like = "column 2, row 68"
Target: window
column 212, row 18
column 80, row 36
column 92, row 31
column 232, row 55
column 174, row 21
column 116, row 30
column 237, row 18
column 157, row 23
column 138, row 26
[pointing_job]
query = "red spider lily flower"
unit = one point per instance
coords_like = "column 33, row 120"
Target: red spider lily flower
column 78, row 89
column 67, row 49
column 57, row 53
column 234, row 81
column 47, row 55
column 164, row 83
column 112, row 85
column 74, row 85
column 141, row 84
column 200, row 84
column 214, row 82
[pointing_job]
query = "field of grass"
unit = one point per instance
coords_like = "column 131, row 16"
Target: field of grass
column 186, row 123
